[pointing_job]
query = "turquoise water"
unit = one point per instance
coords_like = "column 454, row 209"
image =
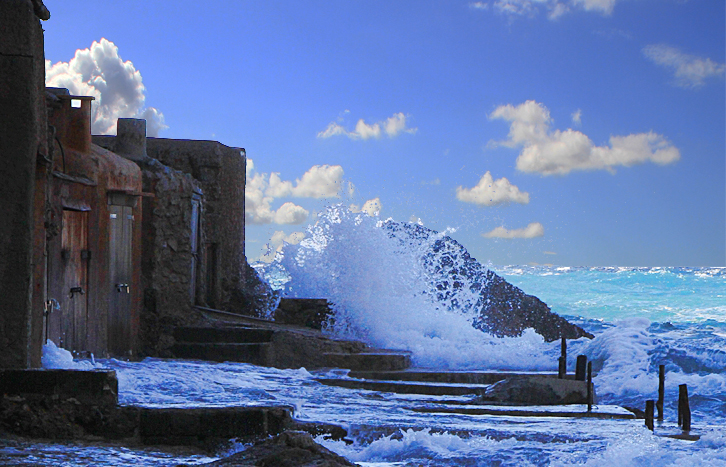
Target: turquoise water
column 391, row 291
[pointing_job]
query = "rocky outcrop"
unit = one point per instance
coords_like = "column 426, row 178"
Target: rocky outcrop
column 460, row 280
column 535, row 390
column 289, row 449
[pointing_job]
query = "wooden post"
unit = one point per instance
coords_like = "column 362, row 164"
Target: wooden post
column 661, row 391
column 581, row 368
column 684, row 409
column 562, row 370
column 589, row 387
column 649, row 405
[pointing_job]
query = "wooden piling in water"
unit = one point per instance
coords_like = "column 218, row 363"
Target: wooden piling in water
column 562, row 369
column 581, row 368
column 684, row 409
column 649, row 406
column 589, row 387
column 661, row 391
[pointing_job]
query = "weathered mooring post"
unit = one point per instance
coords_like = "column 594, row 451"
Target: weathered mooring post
column 684, row 409
column 580, row 368
column 661, row 391
column 562, row 370
column 589, row 387
column 649, row 406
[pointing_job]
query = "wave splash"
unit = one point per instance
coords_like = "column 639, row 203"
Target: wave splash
column 393, row 285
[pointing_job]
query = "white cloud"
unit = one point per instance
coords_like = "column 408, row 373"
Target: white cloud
column 258, row 207
column 392, row 127
column 117, row 86
column 490, row 192
column 278, row 241
column 601, row 6
column 549, row 252
column 560, row 152
column 320, row 181
column 577, row 117
column 535, row 229
column 553, row 8
column 261, row 190
column 689, row 71
column 372, row 207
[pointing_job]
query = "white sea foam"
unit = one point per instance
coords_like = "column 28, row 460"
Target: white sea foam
column 57, row 358
column 388, row 291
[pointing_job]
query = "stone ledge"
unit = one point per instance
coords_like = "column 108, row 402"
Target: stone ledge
column 94, row 387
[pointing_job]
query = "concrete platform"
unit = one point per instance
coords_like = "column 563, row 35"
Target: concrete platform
column 254, row 353
column 230, row 335
column 461, row 377
column 575, row 411
column 95, row 387
column 199, row 426
column 370, row 361
column 399, row 387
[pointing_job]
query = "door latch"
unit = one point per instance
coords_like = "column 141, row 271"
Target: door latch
column 76, row 290
column 121, row 287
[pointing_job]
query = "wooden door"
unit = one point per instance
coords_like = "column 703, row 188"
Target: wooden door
column 121, row 224
column 71, row 320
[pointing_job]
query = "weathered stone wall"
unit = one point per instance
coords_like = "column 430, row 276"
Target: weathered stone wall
column 22, row 137
column 166, row 249
column 167, row 255
column 220, row 171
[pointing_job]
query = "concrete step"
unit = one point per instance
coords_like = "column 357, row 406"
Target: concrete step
column 255, row 353
column 567, row 411
column 408, row 387
column 198, row 426
column 370, row 361
column 460, row 377
column 232, row 335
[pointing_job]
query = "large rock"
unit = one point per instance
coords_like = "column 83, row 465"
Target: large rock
column 290, row 449
column 504, row 310
column 536, row 390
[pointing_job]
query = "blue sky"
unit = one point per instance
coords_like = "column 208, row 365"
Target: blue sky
column 577, row 133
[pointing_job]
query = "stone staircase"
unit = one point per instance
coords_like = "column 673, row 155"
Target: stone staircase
column 467, row 393
column 282, row 346
column 233, row 344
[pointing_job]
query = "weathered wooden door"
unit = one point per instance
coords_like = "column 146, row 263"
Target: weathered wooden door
column 71, row 324
column 121, row 227
column 195, row 234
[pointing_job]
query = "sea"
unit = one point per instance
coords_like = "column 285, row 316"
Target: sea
column 391, row 287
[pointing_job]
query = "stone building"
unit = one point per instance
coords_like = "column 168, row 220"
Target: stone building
column 107, row 242
column 193, row 230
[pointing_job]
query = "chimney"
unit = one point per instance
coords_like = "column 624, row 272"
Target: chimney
column 131, row 138
column 72, row 120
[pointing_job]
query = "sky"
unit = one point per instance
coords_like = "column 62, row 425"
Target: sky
column 573, row 132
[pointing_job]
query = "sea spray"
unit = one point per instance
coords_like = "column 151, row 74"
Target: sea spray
column 394, row 285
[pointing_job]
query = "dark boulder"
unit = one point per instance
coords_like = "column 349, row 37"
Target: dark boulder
column 289, row 449
column 536, row 390
column 462, row 282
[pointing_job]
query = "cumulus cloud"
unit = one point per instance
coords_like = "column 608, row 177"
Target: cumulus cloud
column 533, row 230
column 320, row 181
column 116, row 84
column 278, row 241
column 261, row 190
column 490, row 192
column 577, row 117
column 552, row 8
column 392, row 127
column 689, row 71
column 372, row 207
column 559, row 152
